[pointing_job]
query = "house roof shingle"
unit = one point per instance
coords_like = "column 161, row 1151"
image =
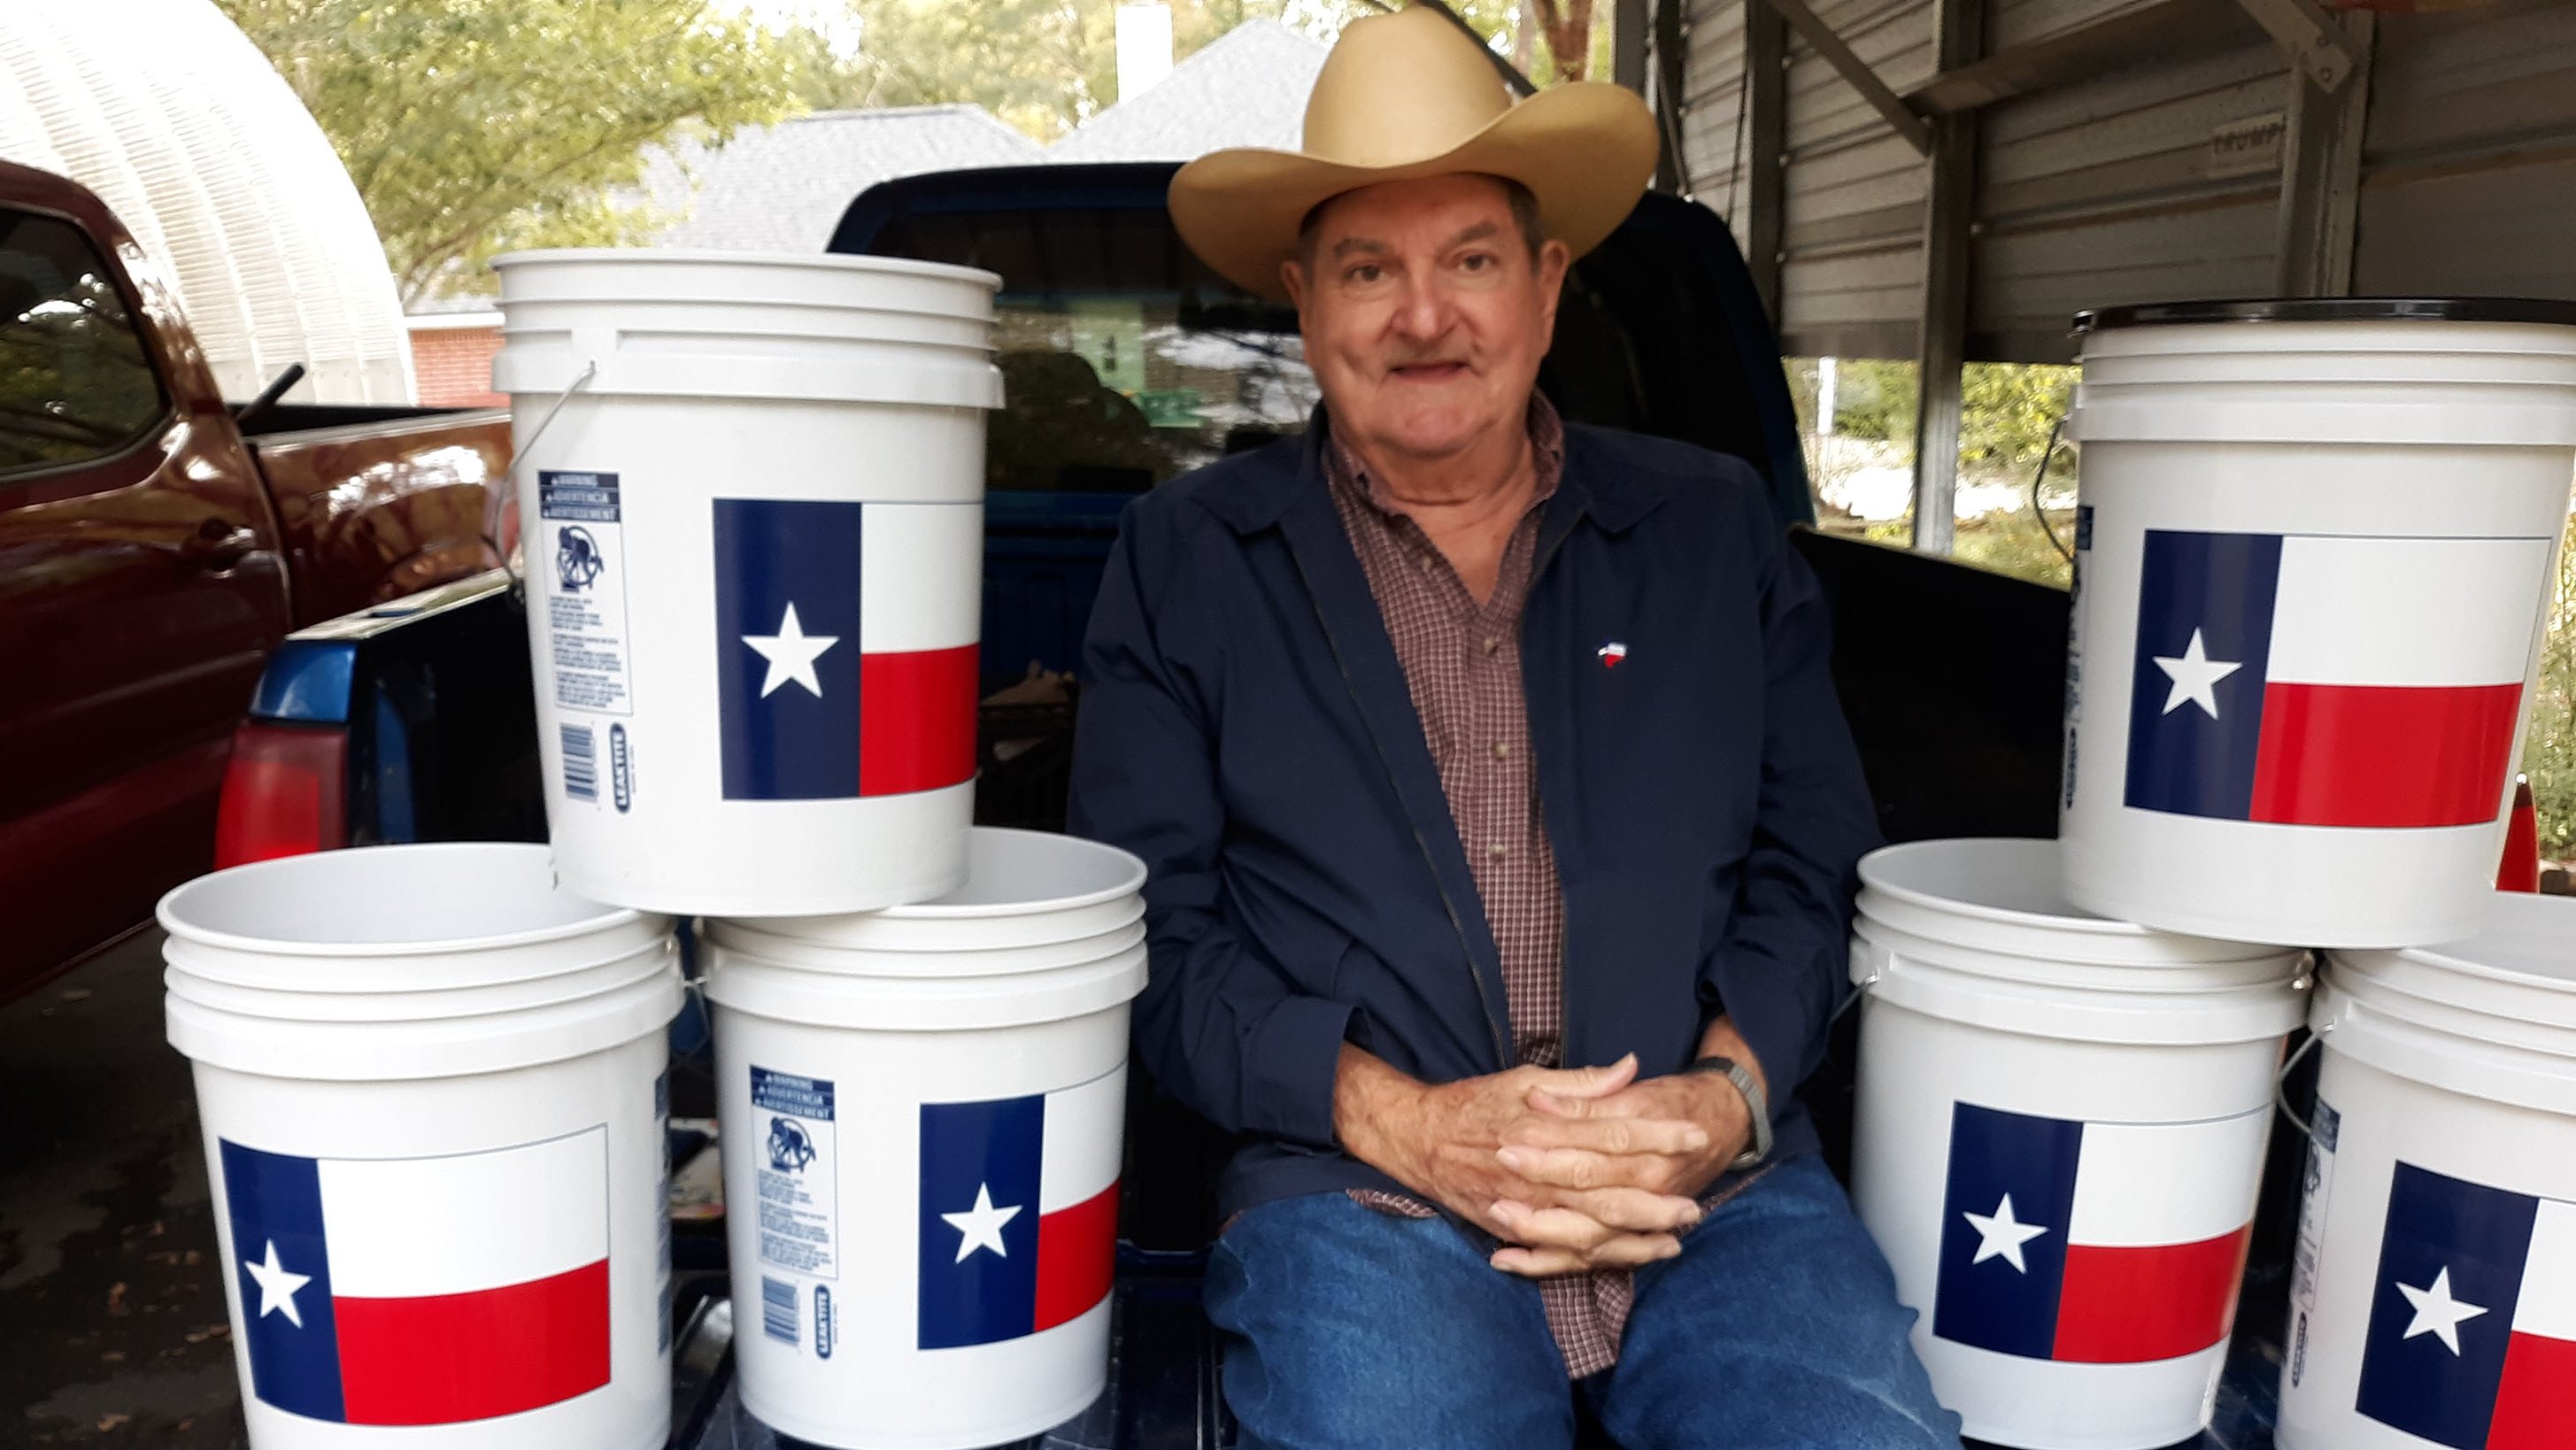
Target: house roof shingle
column 783, row 188
column 1247, row 87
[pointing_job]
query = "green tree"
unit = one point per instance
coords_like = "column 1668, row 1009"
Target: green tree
column 1046, row 66
column 2549, row 751
column 473, row 127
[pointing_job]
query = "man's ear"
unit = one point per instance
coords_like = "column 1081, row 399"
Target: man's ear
column 1293, row 277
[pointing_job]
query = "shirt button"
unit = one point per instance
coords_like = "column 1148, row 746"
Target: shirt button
column 1498, row 852
column 1492, row 645
column 1502, row 750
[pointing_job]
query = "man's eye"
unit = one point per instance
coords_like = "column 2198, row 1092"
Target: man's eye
column 1364, row 272
column 1476, row 261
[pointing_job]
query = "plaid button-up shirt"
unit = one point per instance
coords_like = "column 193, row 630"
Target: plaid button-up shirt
column 1462, row 663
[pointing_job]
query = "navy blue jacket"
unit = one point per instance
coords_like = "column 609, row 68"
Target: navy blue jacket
column 1246, row 729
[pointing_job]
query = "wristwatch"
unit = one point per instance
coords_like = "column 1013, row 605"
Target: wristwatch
column 1735, row 1073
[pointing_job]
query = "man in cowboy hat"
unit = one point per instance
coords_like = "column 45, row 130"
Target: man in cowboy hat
column 1501, row 825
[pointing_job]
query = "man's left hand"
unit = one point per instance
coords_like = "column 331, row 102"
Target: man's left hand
column 1637, row 1138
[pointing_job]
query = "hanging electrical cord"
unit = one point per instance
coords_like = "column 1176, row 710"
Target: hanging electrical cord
column 2055, row 431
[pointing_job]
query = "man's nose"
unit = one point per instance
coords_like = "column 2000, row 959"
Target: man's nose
column 1423, row 313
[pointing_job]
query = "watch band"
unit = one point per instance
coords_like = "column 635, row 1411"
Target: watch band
column 1754, row 1102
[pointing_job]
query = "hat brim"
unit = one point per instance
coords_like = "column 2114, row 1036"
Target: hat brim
column 1586, row 152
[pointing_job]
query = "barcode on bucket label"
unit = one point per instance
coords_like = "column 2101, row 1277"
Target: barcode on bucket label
column 778, row 1309
column 795, row 1173
column 581, row 762
column 582, row 517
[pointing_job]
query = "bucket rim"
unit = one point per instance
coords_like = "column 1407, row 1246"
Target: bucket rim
column 2450, row 956
column 2535, row 310
column 608, row 918
column 937, row 910
column 1873, row 869
column 852, row 263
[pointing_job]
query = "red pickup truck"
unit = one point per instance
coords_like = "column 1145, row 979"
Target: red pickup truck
column 156, row 543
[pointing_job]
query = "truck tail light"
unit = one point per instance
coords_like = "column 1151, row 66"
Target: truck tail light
column 284, row 793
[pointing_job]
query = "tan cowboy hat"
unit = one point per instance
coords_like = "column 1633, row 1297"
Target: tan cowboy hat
column 1410, row 95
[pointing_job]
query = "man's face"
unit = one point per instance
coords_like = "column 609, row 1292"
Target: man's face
column 1424, row 314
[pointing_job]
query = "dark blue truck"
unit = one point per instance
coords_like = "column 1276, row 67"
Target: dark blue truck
column 1127, row 363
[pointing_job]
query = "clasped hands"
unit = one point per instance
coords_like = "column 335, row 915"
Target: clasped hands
column 1577, row 1169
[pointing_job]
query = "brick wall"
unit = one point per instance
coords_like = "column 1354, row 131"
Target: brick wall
column 455, row 366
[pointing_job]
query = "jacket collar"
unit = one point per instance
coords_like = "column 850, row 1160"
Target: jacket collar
column 1285, row 475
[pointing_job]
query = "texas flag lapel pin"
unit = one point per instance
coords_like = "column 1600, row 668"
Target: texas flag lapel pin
column 1611, row 654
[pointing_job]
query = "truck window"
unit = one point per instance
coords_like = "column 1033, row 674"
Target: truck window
column 1112, row 394
column 76, row 381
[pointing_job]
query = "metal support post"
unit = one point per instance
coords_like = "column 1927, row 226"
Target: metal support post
column 2309, row 36
column 1941, row 350
column 1671, row 58
column 1766, row 130
column 1628, row 23
column 2321, row 174
column 1856, row 73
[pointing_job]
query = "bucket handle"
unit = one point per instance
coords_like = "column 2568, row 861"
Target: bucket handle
column 1858, row 991
column 2281, row 1083
column 580, row 380
column 517, row 562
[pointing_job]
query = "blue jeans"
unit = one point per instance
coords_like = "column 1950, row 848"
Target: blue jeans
column 1777, row 1328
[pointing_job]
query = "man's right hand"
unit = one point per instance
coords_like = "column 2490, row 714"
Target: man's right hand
column 1441, row 1140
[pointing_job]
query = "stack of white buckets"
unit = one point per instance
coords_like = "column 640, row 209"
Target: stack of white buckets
column 2315, row 544
column 431, row 1077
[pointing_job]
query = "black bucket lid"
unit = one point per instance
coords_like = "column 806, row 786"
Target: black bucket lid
column 2331, row 309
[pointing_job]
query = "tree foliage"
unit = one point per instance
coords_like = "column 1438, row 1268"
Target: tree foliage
column 473, row 127
column 2549, row 751
column 1047, row 66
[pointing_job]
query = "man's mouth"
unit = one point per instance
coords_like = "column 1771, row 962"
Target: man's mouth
column 1429, row 372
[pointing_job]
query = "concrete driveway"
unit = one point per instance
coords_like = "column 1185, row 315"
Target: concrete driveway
column 112, row 1328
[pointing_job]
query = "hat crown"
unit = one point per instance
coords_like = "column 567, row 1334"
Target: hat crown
column 1401, row 88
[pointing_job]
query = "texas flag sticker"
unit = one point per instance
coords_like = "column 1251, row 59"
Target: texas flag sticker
column 2472, row 1340
column 2100, row 1243
column 845, row 647
column 422, row 1291
column 1019, row 1212
column 2325, row 681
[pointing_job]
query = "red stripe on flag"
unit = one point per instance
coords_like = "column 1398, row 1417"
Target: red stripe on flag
column 2536, row 1399
column 444, row 1358
column 916, row 720
column 2131, row 1305
column 2384, row 755
column 1077, row 1249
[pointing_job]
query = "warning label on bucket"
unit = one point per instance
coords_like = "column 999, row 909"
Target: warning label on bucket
column 796, row 1173
column 2326, row 1128
column 584, row 526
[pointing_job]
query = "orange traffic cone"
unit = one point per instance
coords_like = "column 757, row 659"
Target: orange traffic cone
column 2521, row 869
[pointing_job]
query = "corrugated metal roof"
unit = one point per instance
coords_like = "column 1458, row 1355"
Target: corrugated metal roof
column 178, row 122
column 783, row 188
column 1247, row 87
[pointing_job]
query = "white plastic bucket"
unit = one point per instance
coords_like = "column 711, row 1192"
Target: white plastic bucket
column 923, row 1111
column 431, row 1086
column 2060, row 1135
column 752, row 492
column 2352, row 507
column 2434, row 1297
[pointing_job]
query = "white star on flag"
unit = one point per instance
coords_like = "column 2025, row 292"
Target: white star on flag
column 2000, row 1236
column 277, row 1286
column 2436, row 1312
column 980, row 1227
column 791, row 654
column 2195, row 676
